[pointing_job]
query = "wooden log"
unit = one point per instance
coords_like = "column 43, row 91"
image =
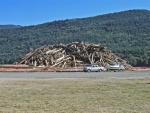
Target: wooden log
column 74, row 61
column 59, row 59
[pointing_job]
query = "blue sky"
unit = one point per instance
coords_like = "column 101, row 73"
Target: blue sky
column 33, row 12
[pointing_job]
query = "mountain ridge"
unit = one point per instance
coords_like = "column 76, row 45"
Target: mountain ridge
column 126, row 33
column 8, row 26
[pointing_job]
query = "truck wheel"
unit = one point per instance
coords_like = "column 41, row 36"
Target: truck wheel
column 89, row 70
column 99, row 70
column 121, row 70
column 116, row 70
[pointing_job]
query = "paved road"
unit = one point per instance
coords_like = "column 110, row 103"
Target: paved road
column 74, row 74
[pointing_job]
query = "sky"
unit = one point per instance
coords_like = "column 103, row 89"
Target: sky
column 33, row 12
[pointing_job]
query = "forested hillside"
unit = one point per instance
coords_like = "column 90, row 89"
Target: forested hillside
column 126, row 33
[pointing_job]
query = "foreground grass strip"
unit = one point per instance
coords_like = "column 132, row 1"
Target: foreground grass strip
column 75, row 95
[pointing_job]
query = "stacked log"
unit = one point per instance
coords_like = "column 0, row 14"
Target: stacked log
column 71, row 55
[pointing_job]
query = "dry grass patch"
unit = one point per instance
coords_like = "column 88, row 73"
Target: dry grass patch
column 89, row 95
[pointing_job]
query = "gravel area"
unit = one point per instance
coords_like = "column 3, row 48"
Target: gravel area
column 132, row 74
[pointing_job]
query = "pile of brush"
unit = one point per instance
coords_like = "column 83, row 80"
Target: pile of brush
column 71, row 55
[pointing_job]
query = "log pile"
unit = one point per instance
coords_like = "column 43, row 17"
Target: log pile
column 75, row 54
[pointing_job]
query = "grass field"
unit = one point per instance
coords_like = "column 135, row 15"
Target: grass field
column 88, row 95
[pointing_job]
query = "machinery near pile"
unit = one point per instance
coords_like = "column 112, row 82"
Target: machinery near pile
column 116, row 66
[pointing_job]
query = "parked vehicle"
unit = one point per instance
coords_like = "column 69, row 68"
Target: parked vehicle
column 116, row 66
column 93, row 68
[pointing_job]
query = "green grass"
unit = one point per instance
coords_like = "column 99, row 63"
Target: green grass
column 91, row 95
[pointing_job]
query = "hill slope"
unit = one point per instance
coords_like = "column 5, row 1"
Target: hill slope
column 126, row 33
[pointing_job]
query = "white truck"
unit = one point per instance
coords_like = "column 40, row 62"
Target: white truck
column 92, row 68
column 116, row 66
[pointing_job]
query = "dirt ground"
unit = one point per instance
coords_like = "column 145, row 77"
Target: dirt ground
column 127, row 74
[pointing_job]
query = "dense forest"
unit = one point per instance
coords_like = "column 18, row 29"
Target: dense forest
column 126, row 33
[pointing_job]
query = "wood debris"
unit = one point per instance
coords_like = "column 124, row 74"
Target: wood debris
column 75, row 54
